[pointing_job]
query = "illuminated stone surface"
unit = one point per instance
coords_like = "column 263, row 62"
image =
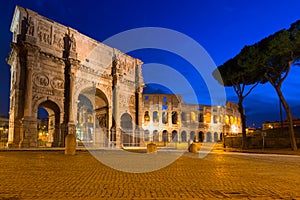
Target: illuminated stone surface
column 52, row 175
column 67, row 73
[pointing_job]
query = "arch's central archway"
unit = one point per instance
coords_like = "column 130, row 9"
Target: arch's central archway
column 92, row 127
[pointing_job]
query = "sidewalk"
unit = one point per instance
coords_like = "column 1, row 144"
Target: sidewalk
column 219, row 147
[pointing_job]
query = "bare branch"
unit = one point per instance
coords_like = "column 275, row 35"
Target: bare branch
column 288, row 70
column 270, row 80
column 250, row 89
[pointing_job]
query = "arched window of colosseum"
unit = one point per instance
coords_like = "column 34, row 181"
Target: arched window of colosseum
column 155, row 136
column 193, row 117
column 208, row 137
column 174, row 136
column 146, row 117
column 146, row 135
column 231, row 119
column 200, row 136
column 165, row 136
column 183, row 117
column 155, row 117
column 165, row 117
column 192, row 136
column 165, row 100
column 174, row 117
column 183, row 136
column 200, row 117
column 226, row 119
column 164, row 105
column 207, row 118
column 235, row 120
column 215, row 118
column 238, row 121
column 216, row 137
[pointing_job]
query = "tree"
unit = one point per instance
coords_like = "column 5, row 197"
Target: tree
column 269, row 60
column 238, row 72
column 278, row 53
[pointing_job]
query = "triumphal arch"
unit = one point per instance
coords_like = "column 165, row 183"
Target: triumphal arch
column 88, row 89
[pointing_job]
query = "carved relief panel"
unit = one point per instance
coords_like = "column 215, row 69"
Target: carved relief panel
column 44, row 31
column 58, row 36
column 48, row 84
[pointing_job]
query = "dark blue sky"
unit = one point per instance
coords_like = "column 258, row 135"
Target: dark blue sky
column 222, row 27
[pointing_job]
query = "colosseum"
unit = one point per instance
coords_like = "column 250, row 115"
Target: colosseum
column 167, row 119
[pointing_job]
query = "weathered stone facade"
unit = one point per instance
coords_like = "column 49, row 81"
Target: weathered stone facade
column 61, row 70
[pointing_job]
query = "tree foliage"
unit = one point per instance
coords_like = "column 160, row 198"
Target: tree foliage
column 268, row 60
column 238, row 73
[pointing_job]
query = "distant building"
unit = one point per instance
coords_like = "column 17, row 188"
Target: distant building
column 278, row 124
column 250, row 130
column 4, row 126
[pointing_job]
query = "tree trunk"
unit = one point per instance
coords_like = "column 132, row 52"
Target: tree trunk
column 290, row 119
column 243, row 120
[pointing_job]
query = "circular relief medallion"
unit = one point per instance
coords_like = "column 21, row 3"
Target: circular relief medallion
column 57, row 83
column 41, row 80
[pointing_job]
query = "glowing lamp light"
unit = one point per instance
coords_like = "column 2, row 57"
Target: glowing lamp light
column 270, row 126
column 234, row 128
column 147, row 118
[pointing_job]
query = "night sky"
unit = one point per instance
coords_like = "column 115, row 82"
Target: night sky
column 222, row 27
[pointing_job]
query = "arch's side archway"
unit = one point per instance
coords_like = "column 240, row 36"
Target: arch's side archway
column 55, row 137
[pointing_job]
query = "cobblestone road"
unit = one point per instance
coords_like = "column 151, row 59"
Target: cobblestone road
column 52, row 175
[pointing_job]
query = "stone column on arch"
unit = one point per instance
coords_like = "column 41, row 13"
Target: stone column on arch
column 139, row 134
column 70, row 137
column 28, row 131
column 68, row 125
column 117, row 116
column 28, row 94
column 115, row 128
column 74, row 64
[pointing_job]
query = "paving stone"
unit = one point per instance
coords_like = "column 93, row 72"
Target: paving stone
column 52, row 175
